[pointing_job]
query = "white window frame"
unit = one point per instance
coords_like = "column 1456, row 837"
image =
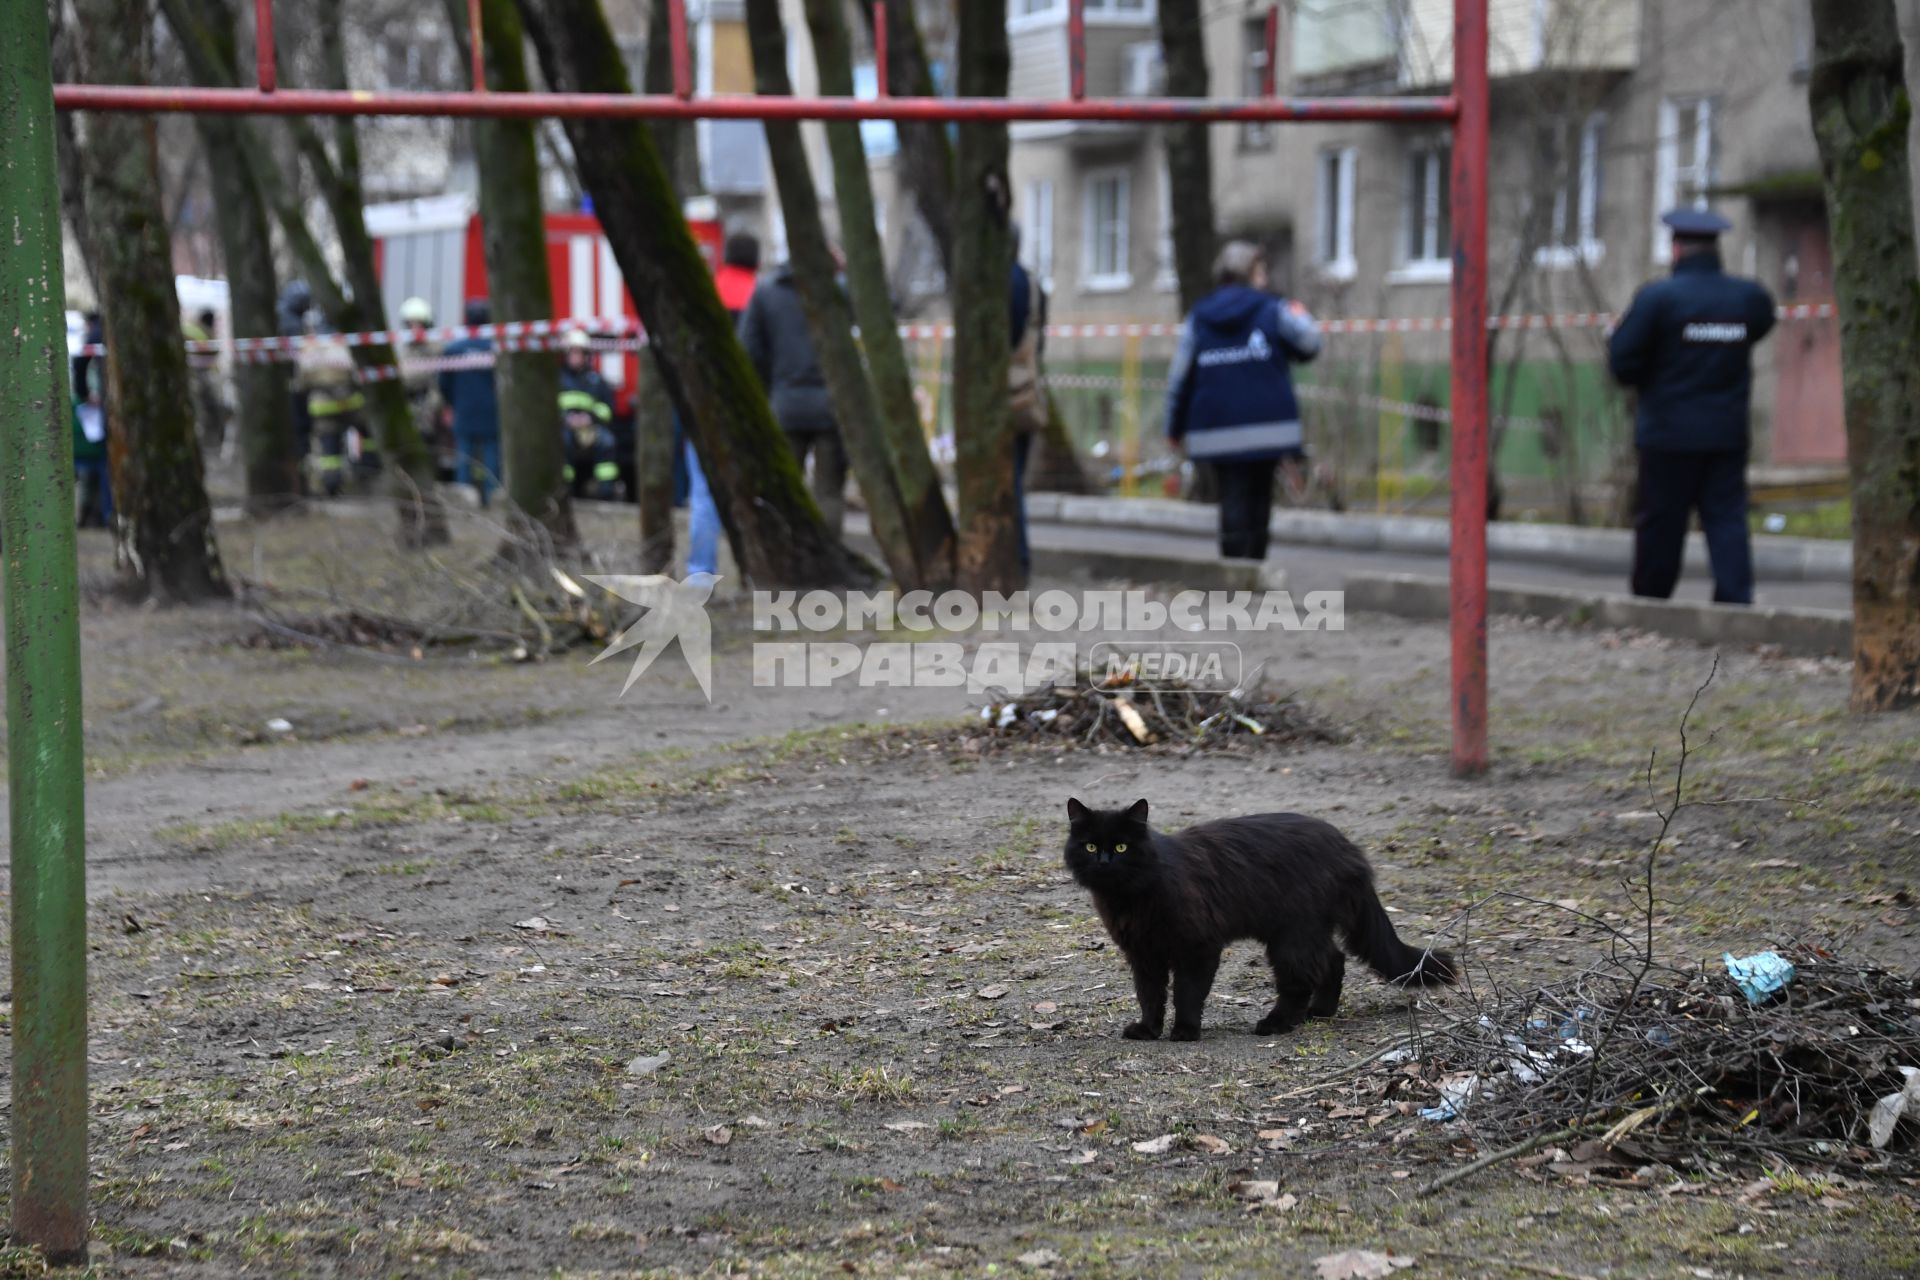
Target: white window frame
column 1584, row 245
column 1166, row 276
column 1668, row 175
column 1255, row 135
column 1033, row 15
column 1434, row 262
column 1333, row 246
column 1036, row 231
column 1091, row 279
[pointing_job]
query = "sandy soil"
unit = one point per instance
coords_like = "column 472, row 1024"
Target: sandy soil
column 388, row 993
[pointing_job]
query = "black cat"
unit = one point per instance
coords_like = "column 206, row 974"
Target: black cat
column 1173, row 902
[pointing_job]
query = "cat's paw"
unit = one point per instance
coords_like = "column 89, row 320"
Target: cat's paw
column 1272, row 1026
column 1140, row 1031
column 1184, row 1033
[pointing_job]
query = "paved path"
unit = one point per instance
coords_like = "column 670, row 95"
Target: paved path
column 1315, row 568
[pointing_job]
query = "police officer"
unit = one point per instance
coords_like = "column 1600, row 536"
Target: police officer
column 1685, row 345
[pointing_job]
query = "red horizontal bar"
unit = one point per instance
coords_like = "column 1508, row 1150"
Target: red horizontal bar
column 353, row 102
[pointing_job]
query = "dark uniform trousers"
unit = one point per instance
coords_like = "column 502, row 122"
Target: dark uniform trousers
column 1674, row 484
column 1246, row 507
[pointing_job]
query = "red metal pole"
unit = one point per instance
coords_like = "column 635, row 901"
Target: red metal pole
column 263, row 53
column 682, row 51
column 473, row 42
column 1468, row 558
column 880, row 48
column 735, row 106
column 1269, row 73
column 1077, row 49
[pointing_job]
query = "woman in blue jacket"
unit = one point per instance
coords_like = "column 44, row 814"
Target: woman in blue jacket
column 1230, row 401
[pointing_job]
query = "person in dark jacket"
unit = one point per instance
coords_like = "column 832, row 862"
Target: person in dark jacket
column 471, row 395
column 291, row 308
column 1686, row 346
column 773, row 329
column 1230, row 399
column 586, row 421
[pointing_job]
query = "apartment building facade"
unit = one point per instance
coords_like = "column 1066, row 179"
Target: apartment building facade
column 1604, row 113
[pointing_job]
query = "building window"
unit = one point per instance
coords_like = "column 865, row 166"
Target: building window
column 1333, row 197
column 1429, row 209
column 1104, row 266
column 1255, row 135
column 1036, row 233
column 1573, row 223
column 1683, row 164
column 1040, row 12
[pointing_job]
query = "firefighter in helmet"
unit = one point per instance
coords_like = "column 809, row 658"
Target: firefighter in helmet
column 431, row 417
column 586, row 419
column 335, row 405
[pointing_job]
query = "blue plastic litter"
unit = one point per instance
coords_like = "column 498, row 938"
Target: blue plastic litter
column 1760, row 975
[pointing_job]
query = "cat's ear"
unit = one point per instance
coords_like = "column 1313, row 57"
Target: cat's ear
column 1139, row 811
column 1075, row 810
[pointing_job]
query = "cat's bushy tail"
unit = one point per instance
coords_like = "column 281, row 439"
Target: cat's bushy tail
column 1372, row 939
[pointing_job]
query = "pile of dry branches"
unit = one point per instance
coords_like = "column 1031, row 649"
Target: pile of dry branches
column 522, row 601
column 1120, row 710
column 1673, row 1063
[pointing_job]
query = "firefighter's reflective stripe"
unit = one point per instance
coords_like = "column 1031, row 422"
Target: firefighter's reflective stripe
column 329, row 461
column 606, row 472
column 566, row 473
column 321, row 405
column 584, row 402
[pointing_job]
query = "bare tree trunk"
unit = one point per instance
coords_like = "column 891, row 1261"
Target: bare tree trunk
column 423, row 519
column 1056, row 464
column 776, row 528
column 518, row 286
column 979, row 285
column 926, row 154
column 929, row 523
column 1861, row 115
column 269, row 453
column 653, row 432
column 1189, row 154
column 829, row 316
column 164, row 524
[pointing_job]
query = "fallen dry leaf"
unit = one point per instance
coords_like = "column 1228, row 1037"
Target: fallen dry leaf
column 907, row 1126
column 1155, row 1146
column 1045, row 1006
column 1251, row 1189
column 1211, row 1145
column 1358, row 1264
column 1085, row 1157
column 1038, row 1259
column 719, row 1135
column 991, row 993
column 534, row 924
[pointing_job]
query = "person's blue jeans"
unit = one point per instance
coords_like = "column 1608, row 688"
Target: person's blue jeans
column 96, row 490
column 478, row 463
column 1022, row 446
column 703, row 519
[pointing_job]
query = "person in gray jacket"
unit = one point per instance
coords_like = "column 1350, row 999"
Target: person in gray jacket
column 773, row 328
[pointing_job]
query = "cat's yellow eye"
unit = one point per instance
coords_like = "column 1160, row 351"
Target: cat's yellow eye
column 1119, row 848
column 1093, row 848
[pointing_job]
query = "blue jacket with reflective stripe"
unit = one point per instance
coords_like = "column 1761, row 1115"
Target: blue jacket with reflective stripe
column 1230, row 396
column 1686, row 346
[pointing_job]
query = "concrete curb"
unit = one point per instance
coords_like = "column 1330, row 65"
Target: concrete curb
column 1803, row 631
column 1188, row 572
column 1598, row 550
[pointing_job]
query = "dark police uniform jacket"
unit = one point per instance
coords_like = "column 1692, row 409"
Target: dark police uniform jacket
column 1686, row 344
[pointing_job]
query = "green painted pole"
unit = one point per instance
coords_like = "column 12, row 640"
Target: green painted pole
column 44, row 761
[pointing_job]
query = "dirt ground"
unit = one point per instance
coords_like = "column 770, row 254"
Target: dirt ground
column 478, row 969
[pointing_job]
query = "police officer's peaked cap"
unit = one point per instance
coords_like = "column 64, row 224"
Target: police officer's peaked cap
column 1704, row 223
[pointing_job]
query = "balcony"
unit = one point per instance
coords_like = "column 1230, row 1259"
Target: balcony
column 1123, row 61
column 1524, row 37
